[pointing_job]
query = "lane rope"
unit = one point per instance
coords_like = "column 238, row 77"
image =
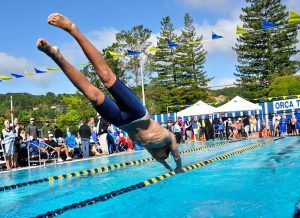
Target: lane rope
column 104, row 168
column 147, row 182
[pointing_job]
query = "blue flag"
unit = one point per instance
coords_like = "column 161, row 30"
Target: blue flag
column 17, row 75
column 40, row 71
column 172, row 44
column 268, row 25
column 131, row 52
column 215, row 36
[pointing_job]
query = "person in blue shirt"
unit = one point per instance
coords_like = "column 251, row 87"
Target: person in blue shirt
column 221, row 128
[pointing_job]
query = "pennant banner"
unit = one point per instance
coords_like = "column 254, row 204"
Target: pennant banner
column 40, row 71
column 172, row 44
column 240, row 31
column 131, row 52
column 5, row 77
column 17, row 75
column 115, row 54
column 294, row 18
column 215, row 36
column 27, row 73
column 268, row 25
column 153, row 49
column 52, row 68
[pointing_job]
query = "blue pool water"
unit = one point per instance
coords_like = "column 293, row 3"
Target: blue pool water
column 263, row 182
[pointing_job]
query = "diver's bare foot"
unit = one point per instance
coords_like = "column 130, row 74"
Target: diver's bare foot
column 45, row 47
column 61, row 21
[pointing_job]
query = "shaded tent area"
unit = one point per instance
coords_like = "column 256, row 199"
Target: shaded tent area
column 199, row 108
column 239, row 107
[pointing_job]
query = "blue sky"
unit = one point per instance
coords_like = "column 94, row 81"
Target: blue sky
column 23, row 22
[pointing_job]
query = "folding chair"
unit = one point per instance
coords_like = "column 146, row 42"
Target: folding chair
column 71, row 142
column 36, row 153
column 2, row 156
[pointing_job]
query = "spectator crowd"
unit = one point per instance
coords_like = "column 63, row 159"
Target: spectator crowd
column 96, row 137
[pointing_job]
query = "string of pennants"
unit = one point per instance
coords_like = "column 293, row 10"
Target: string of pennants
column 294, row 18
column 263, row 99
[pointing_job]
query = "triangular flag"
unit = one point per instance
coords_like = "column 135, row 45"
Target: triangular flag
column 298, row 96
column 240, row 31
column 4, row 77
column 270, row 98
column 115, row 54
column 268, row 25
column 52, row 68
column 294, row 18
column 82, row 65
column 284, row 97
column 131, row 52
column 28, row 73
column 17, row 75
column 194, row 42
column 215, row 36
column 40, row 71
column 153, row 49
column 172, row 44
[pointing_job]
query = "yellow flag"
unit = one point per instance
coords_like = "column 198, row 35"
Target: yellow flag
column 4, row 77
column 294, row 18
column 298, row 96
column 194, row 42
column 27, row 73
column 115, row 54
column 153, row 49
column 52, row 68
column 270, row 98
column 240, row 31
column 82, row 65
column 284, row 97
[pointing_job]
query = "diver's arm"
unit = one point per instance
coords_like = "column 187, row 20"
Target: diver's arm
column 162, row 161
column 176, row 155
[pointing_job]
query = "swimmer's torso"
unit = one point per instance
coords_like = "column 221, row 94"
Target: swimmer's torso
column 148, row 133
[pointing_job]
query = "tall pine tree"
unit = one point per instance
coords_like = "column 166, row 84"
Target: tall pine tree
column 164, row 60
column 191, row 56
column 136, row 39
column 264, row 55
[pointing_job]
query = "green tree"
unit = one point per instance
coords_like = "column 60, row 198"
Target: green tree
column 265, row 54
column 164, row 60
column 192, row 56
column 136, row 39
column 115, row 65
column 285, row 85
column 77, row 108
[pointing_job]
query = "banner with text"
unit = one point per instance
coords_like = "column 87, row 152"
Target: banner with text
column 289, row 104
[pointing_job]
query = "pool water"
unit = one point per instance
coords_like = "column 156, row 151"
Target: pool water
column 263, row 182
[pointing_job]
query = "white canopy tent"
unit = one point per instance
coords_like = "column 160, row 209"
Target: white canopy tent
column 238, row 104
column 199, row 108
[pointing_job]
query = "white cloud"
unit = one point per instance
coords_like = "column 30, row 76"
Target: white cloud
column 12, row 64
column 103, row 38
column 223, row 27
column 99, row 38
column 222, row 83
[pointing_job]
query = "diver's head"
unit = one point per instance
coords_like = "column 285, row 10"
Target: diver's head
column 161, row 153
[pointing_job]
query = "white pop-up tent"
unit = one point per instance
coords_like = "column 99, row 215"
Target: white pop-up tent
column 238, row 104
column 199, row 108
